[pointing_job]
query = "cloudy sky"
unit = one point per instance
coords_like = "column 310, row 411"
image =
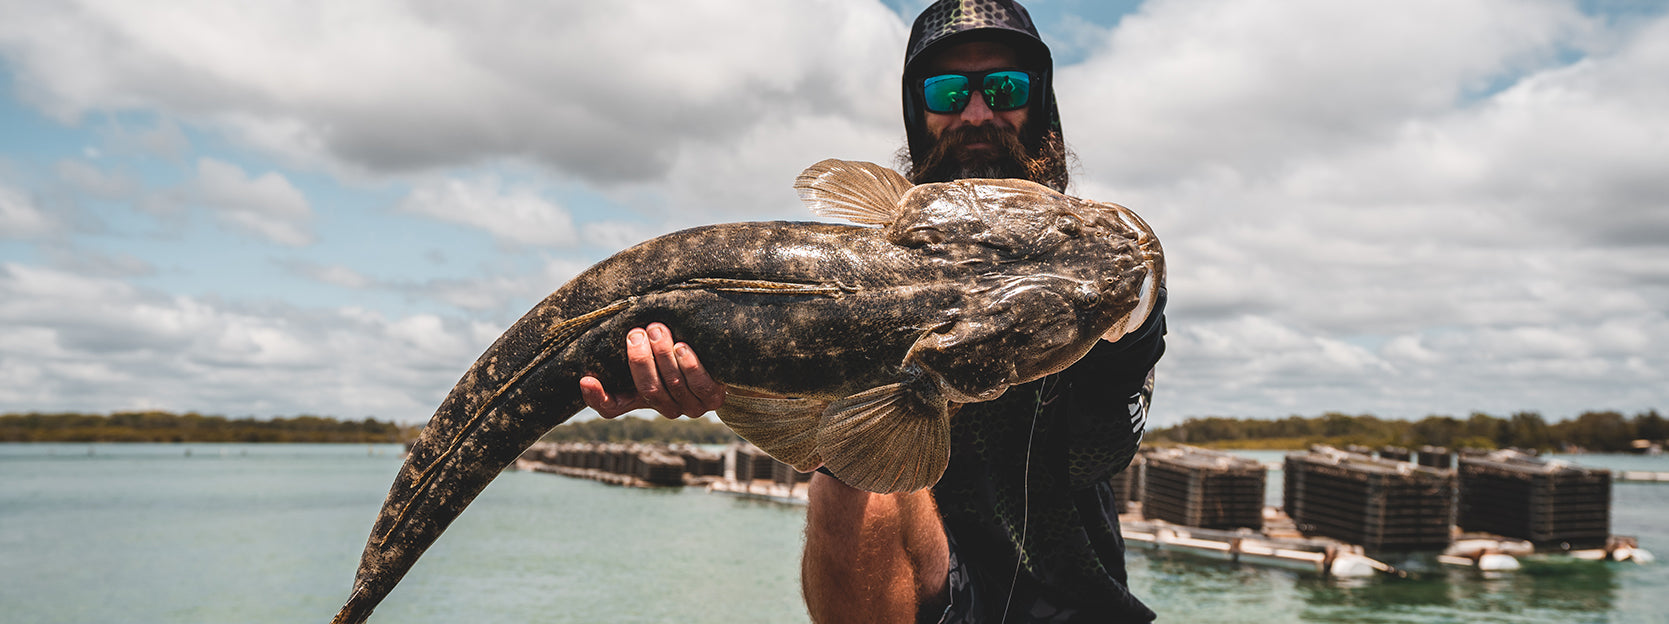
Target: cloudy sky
column 266, row 208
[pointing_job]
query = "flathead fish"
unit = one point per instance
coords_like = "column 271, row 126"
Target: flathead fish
column 846, row 346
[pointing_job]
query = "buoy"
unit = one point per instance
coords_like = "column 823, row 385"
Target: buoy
column 1497, row 562
column 1349, row 565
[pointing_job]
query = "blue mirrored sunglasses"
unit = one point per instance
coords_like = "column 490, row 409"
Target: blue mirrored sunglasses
column 1004, row 89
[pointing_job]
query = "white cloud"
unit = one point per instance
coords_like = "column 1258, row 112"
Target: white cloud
column 614, row 234
column 751, row 177
column 334, row 274
column 497, row 292
column 96, row 182
column 77, row 343
column 20, row 218
column 1185, row 84
column 516, row 215
column 165, row 139
column 1422, row 207
column 607, row 92
column 1436, row 228
column 267, row 206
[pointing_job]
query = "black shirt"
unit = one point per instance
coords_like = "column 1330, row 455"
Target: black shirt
column 1029, row 474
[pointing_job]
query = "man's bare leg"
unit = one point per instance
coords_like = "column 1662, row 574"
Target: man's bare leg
column 871, row 557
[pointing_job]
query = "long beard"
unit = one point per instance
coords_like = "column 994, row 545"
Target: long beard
column 947, row 160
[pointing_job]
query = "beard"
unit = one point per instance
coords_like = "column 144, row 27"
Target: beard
column 1008, row 157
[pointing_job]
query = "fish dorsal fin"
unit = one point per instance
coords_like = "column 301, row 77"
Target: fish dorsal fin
column 784, row 427
column 859, row 192
column 886, row 439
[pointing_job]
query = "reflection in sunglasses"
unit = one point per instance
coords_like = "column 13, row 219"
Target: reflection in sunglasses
column 1004, row 90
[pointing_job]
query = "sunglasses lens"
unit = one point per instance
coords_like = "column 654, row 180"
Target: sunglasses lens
column 1003, row 90
column 1007, row 90
column 945, row 94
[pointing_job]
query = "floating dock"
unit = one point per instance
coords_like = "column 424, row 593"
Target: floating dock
column 756, row 475
column 1640, row 476
column 1551, row 504
column 741, row 470
column 1201, row 488
column 1435, row 457
column 631, row 465
column 1347, row 508
column 1380, row 504
column 1320, row 556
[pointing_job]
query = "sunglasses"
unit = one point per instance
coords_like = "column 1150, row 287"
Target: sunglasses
column 1004, row 89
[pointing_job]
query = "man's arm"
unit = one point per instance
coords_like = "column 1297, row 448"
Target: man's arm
column 668, row 376
column 1107, row 395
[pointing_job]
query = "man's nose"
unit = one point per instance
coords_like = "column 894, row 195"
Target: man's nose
column 977, row 113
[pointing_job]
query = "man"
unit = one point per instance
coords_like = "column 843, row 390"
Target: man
column 1021, row 528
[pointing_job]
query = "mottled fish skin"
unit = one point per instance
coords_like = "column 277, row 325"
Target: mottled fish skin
column 867, row 333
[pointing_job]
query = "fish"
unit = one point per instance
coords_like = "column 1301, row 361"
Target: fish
column 842, row 345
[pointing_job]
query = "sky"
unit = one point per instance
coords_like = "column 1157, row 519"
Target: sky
column 315, row 207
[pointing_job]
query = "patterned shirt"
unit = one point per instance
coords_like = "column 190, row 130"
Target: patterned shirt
column 1029, row 474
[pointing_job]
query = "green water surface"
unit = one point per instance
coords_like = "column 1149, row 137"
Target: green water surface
column 272, row 533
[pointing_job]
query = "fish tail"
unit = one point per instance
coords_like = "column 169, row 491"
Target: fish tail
column 486, row 422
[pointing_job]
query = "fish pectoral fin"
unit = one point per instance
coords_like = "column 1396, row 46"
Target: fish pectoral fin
column 860, row 192
column 894, row 438
column 784, row 427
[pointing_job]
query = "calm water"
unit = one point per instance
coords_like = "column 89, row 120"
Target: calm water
column 272, row 533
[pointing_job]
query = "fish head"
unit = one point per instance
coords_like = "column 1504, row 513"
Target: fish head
column 995, row 219
column 1093, row 271
column 1117, row 257
column 1105, row 248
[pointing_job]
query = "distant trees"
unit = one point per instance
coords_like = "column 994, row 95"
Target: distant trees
column 1594, row 431
column 1599, row 431
column 157, row 426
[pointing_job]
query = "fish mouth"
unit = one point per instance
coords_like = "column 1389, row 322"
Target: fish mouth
column 1147, row 296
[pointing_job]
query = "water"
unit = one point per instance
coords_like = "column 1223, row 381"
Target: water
column 272, row 533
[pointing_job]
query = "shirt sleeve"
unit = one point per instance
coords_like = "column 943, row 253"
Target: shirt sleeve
column 1104, row 401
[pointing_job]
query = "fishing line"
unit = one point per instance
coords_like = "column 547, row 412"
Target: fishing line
column 1026, row 494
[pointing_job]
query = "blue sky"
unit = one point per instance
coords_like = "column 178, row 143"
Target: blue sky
column 311, row 207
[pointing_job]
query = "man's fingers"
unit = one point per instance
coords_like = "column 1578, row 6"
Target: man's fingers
column 641, row 360
column 668, row 377
column 707, row 392
column 672, row 376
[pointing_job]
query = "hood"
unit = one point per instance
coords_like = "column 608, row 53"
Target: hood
column 949, row 22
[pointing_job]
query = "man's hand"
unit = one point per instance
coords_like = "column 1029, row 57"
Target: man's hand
column 669, row 379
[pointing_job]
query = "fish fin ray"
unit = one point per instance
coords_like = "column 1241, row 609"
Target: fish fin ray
column 784, row 427
column 860, row 192
column 892, row 438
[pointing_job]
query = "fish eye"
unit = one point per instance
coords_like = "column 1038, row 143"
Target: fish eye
column 921, row 235
column 1069, row 224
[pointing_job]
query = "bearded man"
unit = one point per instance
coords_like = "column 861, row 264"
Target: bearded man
column 1022, row 526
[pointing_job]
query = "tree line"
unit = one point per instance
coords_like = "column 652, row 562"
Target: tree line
column 1606, row 431
column 1603, row 432
column 159, row 426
